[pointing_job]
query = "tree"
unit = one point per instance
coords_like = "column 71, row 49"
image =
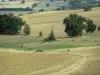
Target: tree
column 23, row 1
column 10, row 24
column 47, row 5
column 91, row 27
column 26, row 29
column 34, row 5
column 40, row 34
column 98, row 28
column 74, row 24
column 41, row 10
column 51, row 37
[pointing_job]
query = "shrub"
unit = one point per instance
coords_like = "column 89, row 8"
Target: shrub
column 23, row 1
column 26, row 29
column 98, row 28
column 87, row 9
column 50, row 38
column 41, row 10
column 57, row 9
column 40, row 34
column 39, row 50
column 91, row 27
column 47, row 5
column 34, row 5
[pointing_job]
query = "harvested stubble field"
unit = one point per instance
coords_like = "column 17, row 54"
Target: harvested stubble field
column 82, row 61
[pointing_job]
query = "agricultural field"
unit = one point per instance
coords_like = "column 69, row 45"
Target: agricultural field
column 67, row 56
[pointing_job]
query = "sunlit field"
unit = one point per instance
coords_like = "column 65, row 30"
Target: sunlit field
column 66, row 56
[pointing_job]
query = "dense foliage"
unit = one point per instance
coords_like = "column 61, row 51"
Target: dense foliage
column 10, row 24
column 74, row 25
column 91, row 27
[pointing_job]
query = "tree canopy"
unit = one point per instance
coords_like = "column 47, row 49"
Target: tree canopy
column 10, row 24
column 74, row 25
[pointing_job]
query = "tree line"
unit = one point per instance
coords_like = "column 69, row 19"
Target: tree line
column 74, row 26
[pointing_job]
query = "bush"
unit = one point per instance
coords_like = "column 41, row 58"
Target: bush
column 10, row 24
column 23, row 1
column 39, row 50
column 40, row 34
column 58, row 9
column 98, row 28
column 50, row 38
column 34, row 5
column 26, row 30
column 91, row 27
column 47, row 5
column 41, row 10
column 87, row 9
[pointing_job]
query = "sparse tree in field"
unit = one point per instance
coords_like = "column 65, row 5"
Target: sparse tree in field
column 26, row 30
column 74, row 24
column 23, row 1
column 91, row 27
column 98, row 28
column 40, row 33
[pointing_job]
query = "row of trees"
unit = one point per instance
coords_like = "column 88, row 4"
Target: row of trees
column 74, row 26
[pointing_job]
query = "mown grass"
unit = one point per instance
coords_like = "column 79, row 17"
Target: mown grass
column 29, row 43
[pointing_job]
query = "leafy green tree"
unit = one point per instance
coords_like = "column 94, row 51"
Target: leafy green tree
column 74, row 24
column 91, row 27
column 26, row 30
column 98, row 28
column 10, row 24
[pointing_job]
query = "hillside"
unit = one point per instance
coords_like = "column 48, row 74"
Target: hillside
column 44, row 21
